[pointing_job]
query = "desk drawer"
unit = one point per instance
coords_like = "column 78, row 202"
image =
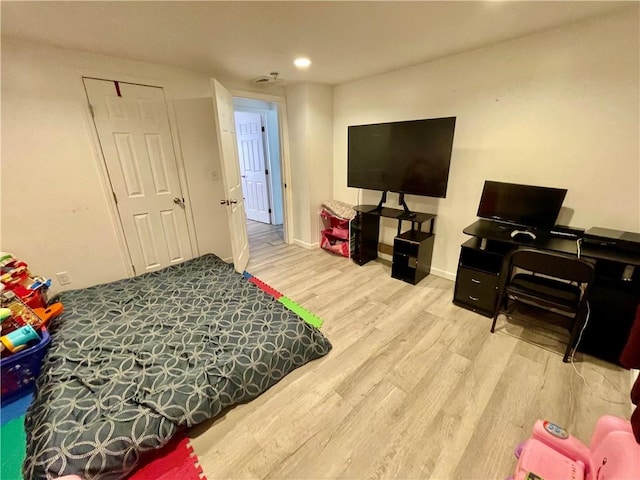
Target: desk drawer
column 476, row 289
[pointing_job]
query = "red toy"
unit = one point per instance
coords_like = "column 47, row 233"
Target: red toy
column 15, row 276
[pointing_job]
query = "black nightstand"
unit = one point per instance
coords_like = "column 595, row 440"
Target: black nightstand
column 478, row 276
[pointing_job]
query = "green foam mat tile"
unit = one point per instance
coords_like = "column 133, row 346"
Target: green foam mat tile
column 13, row 449
column 305, row 314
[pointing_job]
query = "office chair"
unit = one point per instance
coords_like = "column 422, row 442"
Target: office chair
column 526, row 277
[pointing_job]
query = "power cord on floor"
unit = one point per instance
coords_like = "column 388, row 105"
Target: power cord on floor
column 575, row 348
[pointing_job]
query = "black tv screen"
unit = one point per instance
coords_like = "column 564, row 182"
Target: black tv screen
column 525, row 205
column 405, row 157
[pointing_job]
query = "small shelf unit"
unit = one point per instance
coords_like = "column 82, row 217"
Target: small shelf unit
column 335, row 234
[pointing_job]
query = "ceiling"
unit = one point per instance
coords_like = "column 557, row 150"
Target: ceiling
column 243, row 40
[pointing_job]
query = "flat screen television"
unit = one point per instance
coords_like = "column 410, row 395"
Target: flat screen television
column 523, row 205
column 406, row 157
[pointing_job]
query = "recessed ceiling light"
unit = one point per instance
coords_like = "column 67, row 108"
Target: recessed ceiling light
column 302, row 62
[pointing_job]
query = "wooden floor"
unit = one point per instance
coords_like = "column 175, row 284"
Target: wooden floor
column 262, row 235
column 414, row 387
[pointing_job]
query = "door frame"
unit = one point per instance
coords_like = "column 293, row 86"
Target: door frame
column 101, row 165
column 268, row 157
column 285, row 161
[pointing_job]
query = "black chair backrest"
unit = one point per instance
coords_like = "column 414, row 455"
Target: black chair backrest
column 552, row 264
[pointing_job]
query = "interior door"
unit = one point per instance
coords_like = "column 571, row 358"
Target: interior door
column 253, row 170
column 227, row 145
column 133, row 128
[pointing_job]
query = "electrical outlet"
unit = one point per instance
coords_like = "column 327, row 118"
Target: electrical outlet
column 63, row 278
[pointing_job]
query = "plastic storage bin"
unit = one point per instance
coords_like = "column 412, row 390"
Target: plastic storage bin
column 20, row 370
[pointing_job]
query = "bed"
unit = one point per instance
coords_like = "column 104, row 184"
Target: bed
column 134, row 361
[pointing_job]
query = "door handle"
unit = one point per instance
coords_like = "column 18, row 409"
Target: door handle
column 179, row 201
column 224, row 202
column 233, row 201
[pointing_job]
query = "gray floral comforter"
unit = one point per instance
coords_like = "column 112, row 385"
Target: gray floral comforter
column 133, row 361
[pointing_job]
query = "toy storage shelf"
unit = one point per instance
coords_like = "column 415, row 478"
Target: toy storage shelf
column 335, row 234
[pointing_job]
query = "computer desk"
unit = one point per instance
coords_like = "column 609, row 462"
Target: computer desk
column 613, row 297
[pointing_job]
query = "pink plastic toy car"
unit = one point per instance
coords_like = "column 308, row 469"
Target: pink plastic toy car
column 552, row 454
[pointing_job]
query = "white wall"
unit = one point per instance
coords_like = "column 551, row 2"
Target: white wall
column 55, row 211
column 320, row 155
column 196, row 125
column 310, row 116
column 298, row 133
column 559, row 108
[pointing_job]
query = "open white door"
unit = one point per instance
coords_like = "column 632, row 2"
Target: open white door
column 227, row 146
column 253, row 170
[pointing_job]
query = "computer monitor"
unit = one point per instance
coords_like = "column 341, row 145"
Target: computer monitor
column 522, row 205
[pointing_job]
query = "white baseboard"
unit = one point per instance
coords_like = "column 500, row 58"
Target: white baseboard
column 441, row 273
column 308, row 246
column 435, row 271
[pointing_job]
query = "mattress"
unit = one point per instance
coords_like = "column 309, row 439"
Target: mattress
column 134, row 361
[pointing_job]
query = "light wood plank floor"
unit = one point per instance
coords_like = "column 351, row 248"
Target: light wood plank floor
column 263, row 235
column 414, row 387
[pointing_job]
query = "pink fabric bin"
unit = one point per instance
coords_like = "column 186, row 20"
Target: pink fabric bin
column 334, row 234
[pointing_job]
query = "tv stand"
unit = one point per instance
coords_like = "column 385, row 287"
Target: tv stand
column 383, row 200
column 412, row 250
column 407, row 214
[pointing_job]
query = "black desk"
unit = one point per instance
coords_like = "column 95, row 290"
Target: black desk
column 613, row 298
column 493, row 231
column 412, row 250
column 496, row 232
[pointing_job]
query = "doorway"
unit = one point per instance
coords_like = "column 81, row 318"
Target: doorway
column 259, row 154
